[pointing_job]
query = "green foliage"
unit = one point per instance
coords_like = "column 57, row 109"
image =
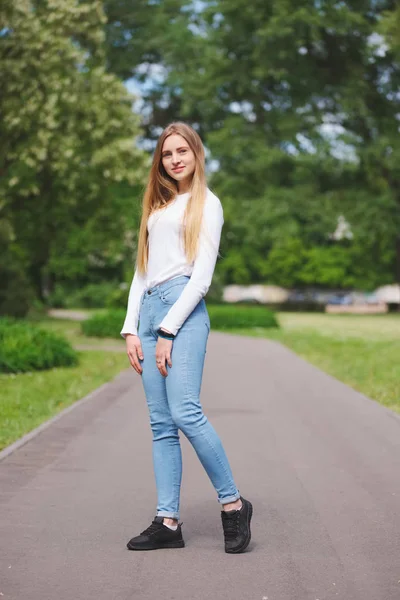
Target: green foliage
column 29, row 399
column 285, row 263
column 115, row 296
column 389, row 26
column 15, row 290
column 25, row 347
column 230, row 316
column 108, row 324
column 216, row 291
column 92, row 295
column 360, row 350
column 68, row 137
column 103, row 248
column 58, row 297
column 328, row 266
column 335, row 265
column 118, row 298
column 16, row 294
column 298, row 102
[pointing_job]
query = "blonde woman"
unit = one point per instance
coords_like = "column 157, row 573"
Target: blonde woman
column 178, row 245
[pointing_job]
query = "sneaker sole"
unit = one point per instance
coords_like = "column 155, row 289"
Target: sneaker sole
column 247, row 540
column 178, row 544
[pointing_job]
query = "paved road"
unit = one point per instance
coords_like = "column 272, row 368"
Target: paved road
column 320, row 462
column 71, row 315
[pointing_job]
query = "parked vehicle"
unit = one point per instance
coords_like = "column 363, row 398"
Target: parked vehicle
column 342, row 300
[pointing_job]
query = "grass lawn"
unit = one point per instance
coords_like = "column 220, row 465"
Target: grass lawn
column 368, row 327
column 28, row 399
column 362, row 351
column 72, row 331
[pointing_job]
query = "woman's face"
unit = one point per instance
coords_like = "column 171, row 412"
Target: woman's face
column 178, row 159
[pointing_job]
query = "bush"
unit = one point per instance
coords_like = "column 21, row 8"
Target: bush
column 226, row 316
column 16, row 294
column 25, row 347
column 91, row 295
column 231, row 316
column 58, row 297
column 107, row 324
column 216, row 291
column 118, row 298
column 301, row 306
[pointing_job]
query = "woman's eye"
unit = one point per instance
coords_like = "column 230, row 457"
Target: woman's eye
column 182, row 151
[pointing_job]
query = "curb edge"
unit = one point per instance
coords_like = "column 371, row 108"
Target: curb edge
column 32, row 434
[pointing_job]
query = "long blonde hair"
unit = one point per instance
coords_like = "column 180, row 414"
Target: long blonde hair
column 161, row 188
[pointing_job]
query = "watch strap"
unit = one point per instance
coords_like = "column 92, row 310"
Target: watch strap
column 165, row 335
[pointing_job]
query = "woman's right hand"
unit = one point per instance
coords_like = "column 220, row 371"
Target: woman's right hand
column 134, row 351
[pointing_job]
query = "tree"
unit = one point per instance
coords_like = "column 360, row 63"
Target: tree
column 68, row 131
column 298, row 103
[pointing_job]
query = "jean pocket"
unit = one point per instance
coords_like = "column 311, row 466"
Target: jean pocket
column 206, row 315
column 171, row 294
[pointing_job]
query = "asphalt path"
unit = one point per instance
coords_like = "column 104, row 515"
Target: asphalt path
column 319, row 461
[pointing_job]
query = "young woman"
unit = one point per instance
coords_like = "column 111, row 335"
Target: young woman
column 178, row 246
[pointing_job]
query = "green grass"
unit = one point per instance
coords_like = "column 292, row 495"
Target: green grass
column 70, row 329
column 28, row 399
column 73, row 332
column 362, row 351
column 368, row 327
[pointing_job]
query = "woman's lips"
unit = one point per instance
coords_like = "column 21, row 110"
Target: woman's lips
column 178, row 169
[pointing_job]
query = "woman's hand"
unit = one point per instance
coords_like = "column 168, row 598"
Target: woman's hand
column 134, row 351
column 163, row 353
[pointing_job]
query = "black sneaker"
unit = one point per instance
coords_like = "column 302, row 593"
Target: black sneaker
column 236, row 525
column 157, row 536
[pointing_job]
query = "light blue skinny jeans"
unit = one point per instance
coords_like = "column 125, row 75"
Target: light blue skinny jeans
column 174, row 401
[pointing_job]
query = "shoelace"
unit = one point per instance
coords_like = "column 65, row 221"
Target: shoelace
column 231, row 525
column 152, row 528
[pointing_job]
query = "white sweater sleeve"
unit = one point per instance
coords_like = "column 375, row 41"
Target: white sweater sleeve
column 203, row 268
column 132, row 314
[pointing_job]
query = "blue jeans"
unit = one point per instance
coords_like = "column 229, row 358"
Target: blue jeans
column 174, row 401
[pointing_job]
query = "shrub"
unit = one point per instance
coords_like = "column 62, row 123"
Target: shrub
column 25, row 347
column 301, row 306
column 16, row 294
column 107, row 324
column 58, row 297
column 231, row 316
column 216, row 291
column 91, row 295
column 226, row 316
column 118, row 298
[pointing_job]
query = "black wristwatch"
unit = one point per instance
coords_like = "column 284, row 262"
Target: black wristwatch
column 165, row 335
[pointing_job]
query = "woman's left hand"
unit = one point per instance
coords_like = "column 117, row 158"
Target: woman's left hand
column 163, row 354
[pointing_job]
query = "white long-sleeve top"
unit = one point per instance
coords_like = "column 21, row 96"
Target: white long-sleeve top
column 167, row 260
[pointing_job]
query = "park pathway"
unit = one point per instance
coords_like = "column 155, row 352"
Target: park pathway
column 319, row 461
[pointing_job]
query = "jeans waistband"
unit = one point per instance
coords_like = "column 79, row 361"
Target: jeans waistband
column 165, row 285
